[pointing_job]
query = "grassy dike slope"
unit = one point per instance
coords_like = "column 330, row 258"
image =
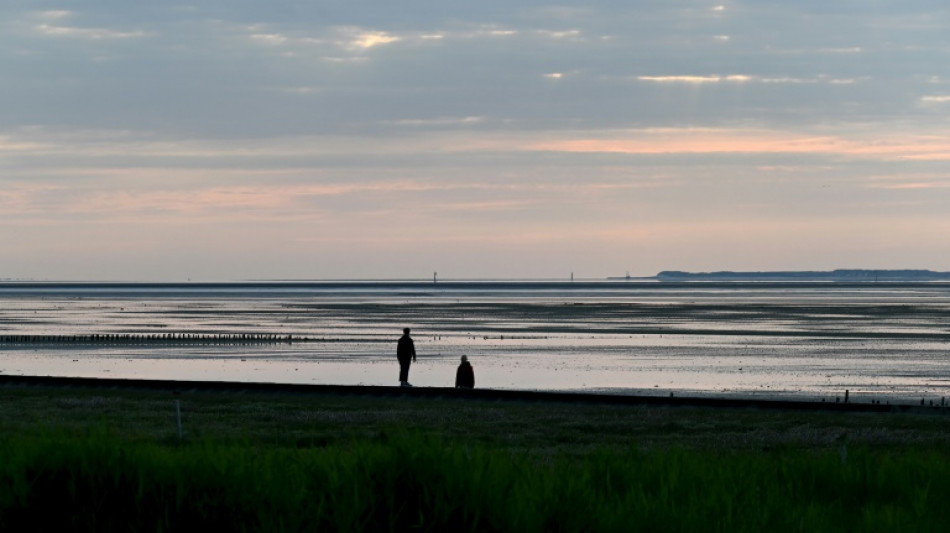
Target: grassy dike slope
column 112, row 460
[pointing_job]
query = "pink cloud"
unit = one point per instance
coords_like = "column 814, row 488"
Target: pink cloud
column 687, row 141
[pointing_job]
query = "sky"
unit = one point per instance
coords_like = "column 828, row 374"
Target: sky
column 237, row 140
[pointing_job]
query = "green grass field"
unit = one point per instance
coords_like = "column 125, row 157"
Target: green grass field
column 99, row 460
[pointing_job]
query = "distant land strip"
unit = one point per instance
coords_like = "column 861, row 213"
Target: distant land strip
column 843, row 275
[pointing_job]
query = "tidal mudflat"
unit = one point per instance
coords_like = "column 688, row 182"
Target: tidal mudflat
column 879, row 342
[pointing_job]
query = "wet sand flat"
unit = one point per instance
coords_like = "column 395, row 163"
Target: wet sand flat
column 795, row 341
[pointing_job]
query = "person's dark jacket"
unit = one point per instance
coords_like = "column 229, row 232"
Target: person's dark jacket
column 405, row 349
column 465, row 376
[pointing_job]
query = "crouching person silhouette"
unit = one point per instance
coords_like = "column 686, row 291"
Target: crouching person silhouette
column 465, row 376
column 406, row 354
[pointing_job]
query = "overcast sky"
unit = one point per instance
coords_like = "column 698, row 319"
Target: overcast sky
column 235, row 139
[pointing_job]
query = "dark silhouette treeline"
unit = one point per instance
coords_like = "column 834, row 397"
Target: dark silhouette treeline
column 157, row 338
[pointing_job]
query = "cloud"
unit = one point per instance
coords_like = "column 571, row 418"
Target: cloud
column 259, row 200
column 483, row 31
column 334, row 44
column 732, row 141
column 302, row 90
column 743, row 78
column 681, row 79
column 358, row 39
column 9, row 144
column 54, row 14
column 89, row 33
column 560, row 34
column 49, row 28
column 845, row 50
column 914, row 186
column 442, row 121
column 425, row 139
column 361, row 39
column 269, row 38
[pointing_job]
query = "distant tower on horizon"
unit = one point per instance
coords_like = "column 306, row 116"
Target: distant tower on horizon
column 434, row 276
column 572, row 276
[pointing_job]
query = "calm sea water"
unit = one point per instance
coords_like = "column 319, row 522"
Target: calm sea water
column 798, row 340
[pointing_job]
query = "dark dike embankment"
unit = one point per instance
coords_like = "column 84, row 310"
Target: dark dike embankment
column 222, row 387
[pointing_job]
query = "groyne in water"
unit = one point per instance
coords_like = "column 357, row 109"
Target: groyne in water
column 159, row 338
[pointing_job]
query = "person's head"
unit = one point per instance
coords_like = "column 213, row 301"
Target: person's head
column 464, row 358
column 405, row 331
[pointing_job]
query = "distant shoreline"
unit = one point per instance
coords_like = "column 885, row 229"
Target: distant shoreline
column 839, row 275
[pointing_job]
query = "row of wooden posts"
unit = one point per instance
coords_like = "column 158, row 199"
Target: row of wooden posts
column 132, row 338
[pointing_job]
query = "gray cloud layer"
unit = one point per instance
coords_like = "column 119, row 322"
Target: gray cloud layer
column 231, row 69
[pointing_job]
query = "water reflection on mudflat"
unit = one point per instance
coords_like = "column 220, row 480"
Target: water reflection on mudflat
column 807, row 341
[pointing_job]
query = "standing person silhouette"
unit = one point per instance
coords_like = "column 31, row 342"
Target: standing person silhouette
column 465, row 376
column 406, row 354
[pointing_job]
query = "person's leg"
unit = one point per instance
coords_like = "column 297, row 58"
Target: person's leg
column 403, row 371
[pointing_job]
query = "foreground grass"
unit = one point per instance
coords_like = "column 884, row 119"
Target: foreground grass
column 407, row 482
column 92, row 460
